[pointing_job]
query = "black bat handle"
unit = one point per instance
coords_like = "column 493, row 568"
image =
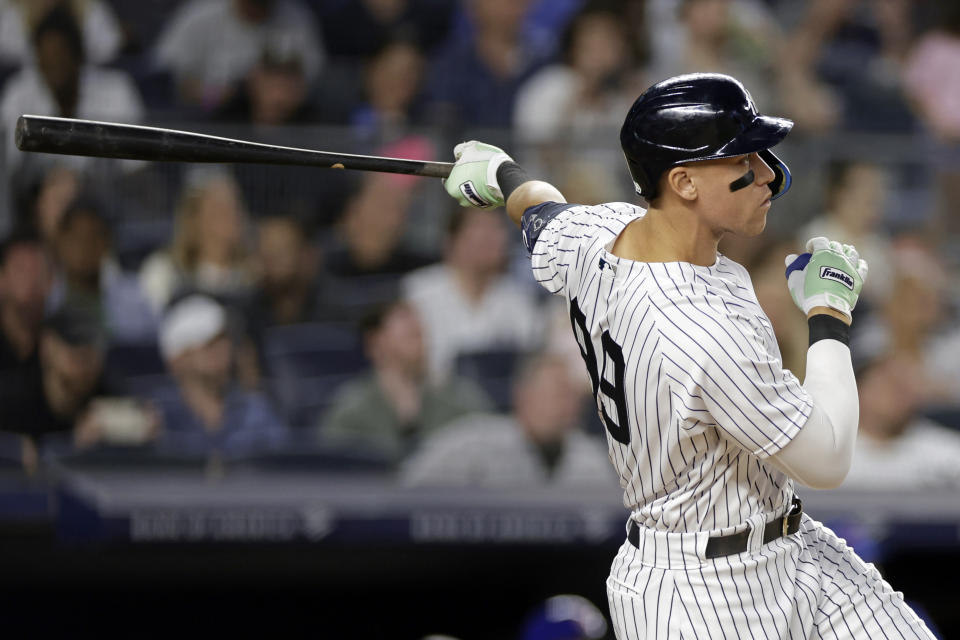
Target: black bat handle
column 71, row 136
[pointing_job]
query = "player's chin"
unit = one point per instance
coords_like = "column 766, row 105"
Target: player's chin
column 755, row 225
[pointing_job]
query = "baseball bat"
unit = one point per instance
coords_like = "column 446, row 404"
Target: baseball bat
column 70, row 136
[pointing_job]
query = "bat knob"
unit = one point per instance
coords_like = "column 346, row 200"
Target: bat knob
column 19, row 132
column 24, row 135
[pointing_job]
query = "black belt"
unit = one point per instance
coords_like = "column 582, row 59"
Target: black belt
column 737, row 543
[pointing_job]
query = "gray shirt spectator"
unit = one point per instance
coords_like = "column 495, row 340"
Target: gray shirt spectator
column 541, row 441
column 492, row 450
column 210, row 45
column 926, row 454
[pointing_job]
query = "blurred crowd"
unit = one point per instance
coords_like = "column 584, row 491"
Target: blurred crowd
column 233, row 312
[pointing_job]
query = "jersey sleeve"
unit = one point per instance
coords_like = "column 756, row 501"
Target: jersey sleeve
column 557, row 235
column 722, row 374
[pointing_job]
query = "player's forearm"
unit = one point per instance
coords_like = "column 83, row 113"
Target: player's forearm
column 820, row 454
column 833, row 387
column 530, row 194
column 521, row 193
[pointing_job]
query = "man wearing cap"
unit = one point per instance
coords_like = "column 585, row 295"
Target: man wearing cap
column 206, row 411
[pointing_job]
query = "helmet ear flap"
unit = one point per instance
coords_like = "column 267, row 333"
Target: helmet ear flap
column 781, row 179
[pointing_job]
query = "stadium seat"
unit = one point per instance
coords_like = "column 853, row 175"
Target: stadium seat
column 306, row 363
column 127, row 362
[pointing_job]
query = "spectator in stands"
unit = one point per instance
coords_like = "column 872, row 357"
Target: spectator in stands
column 288, row 271
column 373, row 241
column 273, row 92
column 88, row 274
column 474, row 78
column 102, row 37
column 60, row 84
column 540, row 442
column 210, row 249
column 55, row 190
column 71, row 356
column 591, row 88
column 73, row 407
column 369, row 236
column 896, row 447
column 932, row 75
column 468, row 303
column 388, row 411
column 25, row 279
column 856, row 193
column 49, row 398
column 392, row 87
column 932, row 83
column 360, row 28
column 207, row 411
column 209, row 45
column 81, row 243
column 274, row 102
column 737, row 37
column 564, row 106
column 922, row 329
column 841, row 65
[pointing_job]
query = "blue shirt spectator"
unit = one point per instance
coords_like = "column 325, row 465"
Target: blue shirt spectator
column 249, row 424
column 474, row 79
column 207, row 411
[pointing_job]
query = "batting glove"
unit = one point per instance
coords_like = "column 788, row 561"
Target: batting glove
column 473, row 180
column 828, row 275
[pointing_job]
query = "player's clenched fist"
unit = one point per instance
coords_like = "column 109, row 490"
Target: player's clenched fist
column 473, row 180
column 830, row 274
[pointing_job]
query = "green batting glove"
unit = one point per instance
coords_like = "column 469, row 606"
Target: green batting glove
column 473, row 180
column 828, row 275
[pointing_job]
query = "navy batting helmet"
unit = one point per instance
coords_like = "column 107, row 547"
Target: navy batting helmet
column 698, row 116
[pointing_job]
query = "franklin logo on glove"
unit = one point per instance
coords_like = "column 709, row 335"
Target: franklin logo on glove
column 470, row 193
column 842, row 277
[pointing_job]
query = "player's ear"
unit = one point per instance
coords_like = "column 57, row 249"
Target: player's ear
column 679, row 180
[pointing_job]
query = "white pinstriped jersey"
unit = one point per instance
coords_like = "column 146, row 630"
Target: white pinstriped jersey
column 689, row 384
column 699, row 396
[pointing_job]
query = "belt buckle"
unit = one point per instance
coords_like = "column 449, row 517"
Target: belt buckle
column 784, row 525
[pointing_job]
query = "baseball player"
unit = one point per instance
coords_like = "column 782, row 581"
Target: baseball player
column 707, row 431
